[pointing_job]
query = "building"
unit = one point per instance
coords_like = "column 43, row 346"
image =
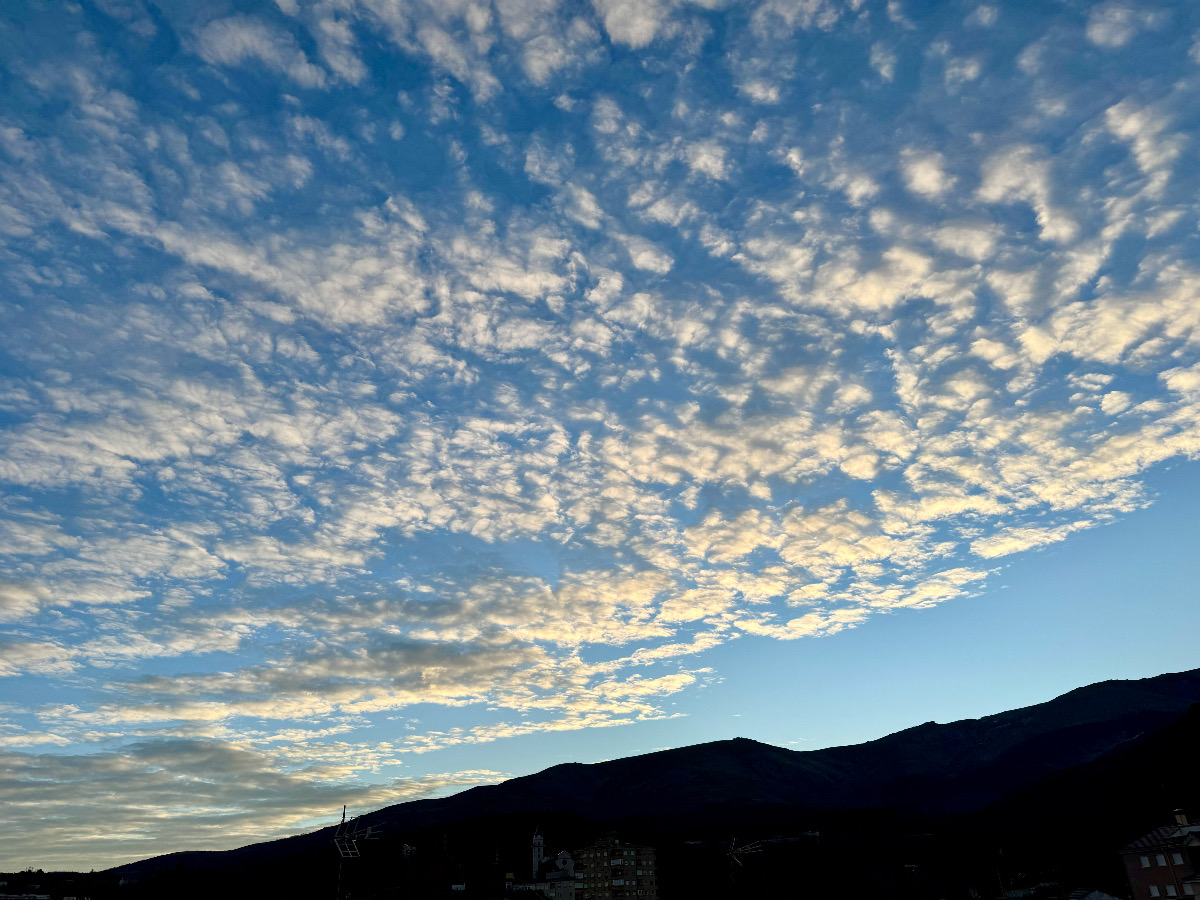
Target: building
column 611, row 870
column 1164, row 862
column 559, row 875
column 539, row 852
column 553, row 878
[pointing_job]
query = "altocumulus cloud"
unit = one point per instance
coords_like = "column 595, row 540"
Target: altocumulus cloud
column 505, row 358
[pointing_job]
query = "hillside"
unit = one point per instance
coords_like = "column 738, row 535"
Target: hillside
column 928, row 770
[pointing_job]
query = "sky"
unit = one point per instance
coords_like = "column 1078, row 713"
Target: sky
column 398, row 396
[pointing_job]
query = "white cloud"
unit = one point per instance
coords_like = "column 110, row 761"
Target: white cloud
column 960, row 71
column 772, row 15
column 337, row 44
column 549, row 166
column 1018, row 540
column 760, row 90
column 708, row 158
column 166, row 781
column 632, row 22
column 883, row 61
column 17, row 601
column 622, row 351
column 646, row 255
column 1115, row 23
column 1144, row 129
column 1115, row 402
column 583, row 207
column 34, row 656
column 983, row 16
column 924, row 172
column 974, row 240
column 1018, row 173
column 237, row 39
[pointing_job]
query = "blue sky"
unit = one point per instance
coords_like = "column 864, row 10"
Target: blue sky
column 400, row 396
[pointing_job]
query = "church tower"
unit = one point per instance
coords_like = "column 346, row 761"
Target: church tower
column 539, row 852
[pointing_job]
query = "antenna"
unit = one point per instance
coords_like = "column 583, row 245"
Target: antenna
column 346, row 837
column 735, row 854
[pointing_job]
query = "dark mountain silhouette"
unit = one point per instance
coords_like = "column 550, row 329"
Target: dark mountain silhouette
column 1071, row 824
column 992, row 769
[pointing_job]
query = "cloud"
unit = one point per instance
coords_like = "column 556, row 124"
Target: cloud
column 337, row 44
column 883, row 61
column 924, row 173
column 620, row 351
column 984, row 16
column 1018, row 174
column 809, row 625
column 646, row 255
column 708, row 158
column 633, row 23
column 237, row 39
column 1018, row 540
column 206, row 793
column 760, row 90
column 18, row 601
column 35, row 656
column 1143, row 128
column 1115, row 24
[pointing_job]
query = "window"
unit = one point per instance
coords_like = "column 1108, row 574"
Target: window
column 1145, row 862
column 1189, row 890
column 1171, row 890
column 1154, row 890
column 1177, row 858
column 1160, row 859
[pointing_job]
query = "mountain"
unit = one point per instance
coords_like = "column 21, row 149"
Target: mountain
column 931, row 770
column 958, row 766
column 1071, row 823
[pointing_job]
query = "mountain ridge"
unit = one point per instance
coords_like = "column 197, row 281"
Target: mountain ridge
column 930, row 768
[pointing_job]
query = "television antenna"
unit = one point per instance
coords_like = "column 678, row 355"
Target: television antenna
column 735, row 854
column 346, row 837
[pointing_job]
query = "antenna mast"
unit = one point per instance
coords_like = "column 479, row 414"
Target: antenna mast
column 346, row 837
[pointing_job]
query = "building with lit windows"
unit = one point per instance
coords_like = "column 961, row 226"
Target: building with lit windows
column 612, row 870
column 1164, row 862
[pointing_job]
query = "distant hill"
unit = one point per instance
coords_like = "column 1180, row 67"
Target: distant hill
column 931, row 770
column 1073, row 822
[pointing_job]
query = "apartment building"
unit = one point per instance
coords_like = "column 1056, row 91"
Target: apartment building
column 1164, row 862
column 612, row 870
